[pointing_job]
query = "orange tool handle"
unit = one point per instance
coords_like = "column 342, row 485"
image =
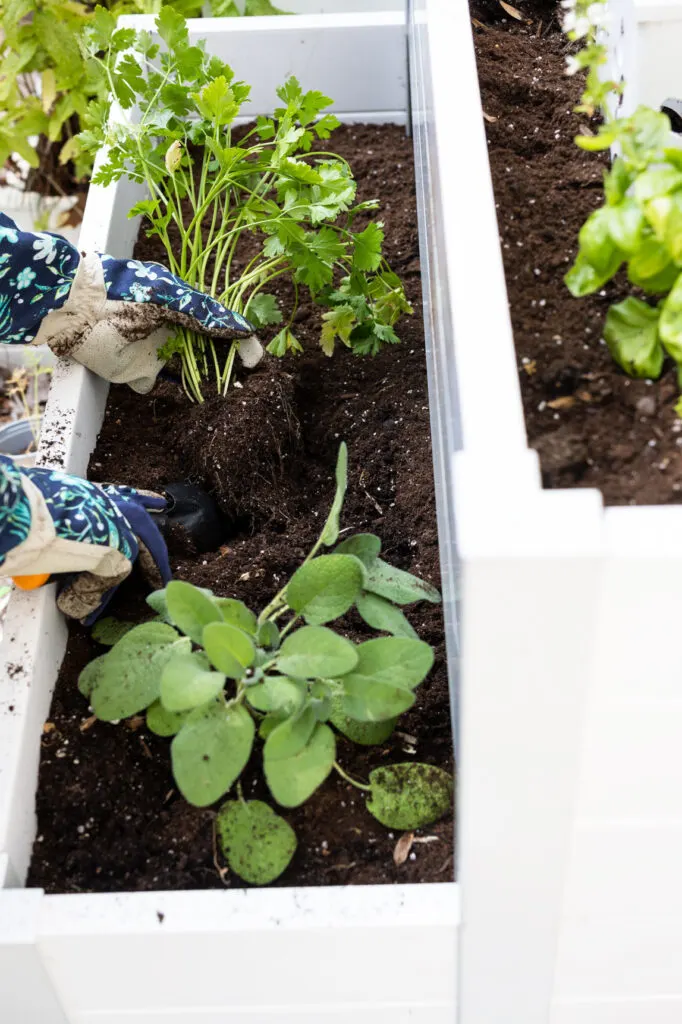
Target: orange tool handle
column 31, row 582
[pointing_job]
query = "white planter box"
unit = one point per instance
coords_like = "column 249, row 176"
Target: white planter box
column 570, row 757
column 370, row 955
column 644, row 42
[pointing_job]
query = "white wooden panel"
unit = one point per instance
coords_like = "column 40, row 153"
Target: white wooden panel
column 32, row 648
column 632, row 764
column 325, row 1014
column 440, row 362
column 626, row 870
column 639, row 1011
column 637, row 653
column 489, row 403
column 26, row 994
column 521, row 712
column 609, row 958
column 319, row 49
column 280, row 949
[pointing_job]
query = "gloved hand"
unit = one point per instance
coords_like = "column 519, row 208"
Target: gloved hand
column 52, row 523
column 110, row 315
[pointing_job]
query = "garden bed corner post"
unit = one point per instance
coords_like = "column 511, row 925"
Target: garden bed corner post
column 531, row 565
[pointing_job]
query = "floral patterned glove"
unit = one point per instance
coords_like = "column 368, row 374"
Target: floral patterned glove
column 51, row 523
column 110, row 315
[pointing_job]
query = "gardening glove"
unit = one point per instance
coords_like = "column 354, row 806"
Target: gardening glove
column 51, row 523
column 110, row 315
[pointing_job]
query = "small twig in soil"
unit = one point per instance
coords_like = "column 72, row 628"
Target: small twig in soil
column 446, row 863
column 374, row 502
column 222, row 872
column 145, row 748
column 88, row 723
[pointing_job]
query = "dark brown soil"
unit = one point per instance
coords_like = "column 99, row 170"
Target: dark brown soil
column 592, row 425
column 109, row 816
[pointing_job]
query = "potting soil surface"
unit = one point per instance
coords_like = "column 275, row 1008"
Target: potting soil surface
column 592, row 425
column 109, row 815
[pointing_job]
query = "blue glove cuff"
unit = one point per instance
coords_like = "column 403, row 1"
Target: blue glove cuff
column 36, row 273
column 135, row 281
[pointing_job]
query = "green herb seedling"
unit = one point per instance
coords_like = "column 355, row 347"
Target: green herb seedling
column 210, row 188
column 639, row 227
column 215, row 676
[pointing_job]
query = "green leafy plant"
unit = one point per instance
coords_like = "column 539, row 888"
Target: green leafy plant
column 47, row 81
column 210, row 188
column 214, row 675
column 241, row 8
column 639, row 226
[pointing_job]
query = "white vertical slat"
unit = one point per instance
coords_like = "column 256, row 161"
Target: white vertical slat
column 445, row 426
column 34, row 640
column 26, row 992
column 530, row 589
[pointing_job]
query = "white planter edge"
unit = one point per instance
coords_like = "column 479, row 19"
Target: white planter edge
column 150, row 941
column 570, row 717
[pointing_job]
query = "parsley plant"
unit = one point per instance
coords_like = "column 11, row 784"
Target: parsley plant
column 209, row 189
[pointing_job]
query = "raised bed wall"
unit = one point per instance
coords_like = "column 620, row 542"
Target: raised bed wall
column 371, row 955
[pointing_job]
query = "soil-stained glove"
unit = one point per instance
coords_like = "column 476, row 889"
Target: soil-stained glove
column 110, row 315
column 51, row 523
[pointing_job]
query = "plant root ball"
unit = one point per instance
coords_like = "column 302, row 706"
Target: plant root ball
column 237, row 446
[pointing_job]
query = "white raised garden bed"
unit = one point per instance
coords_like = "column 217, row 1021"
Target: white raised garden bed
column 644, row 41
column 371, row 955
column 570, row 763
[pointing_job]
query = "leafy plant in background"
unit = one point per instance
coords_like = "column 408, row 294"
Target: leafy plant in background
column 639, row 227
column 46, row 81
column 24, row 385
column 209, row 190
column 212, row 674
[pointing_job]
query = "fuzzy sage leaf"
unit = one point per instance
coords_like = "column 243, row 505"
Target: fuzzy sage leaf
column 211, row 750
column 257, row 843
column 409, row 796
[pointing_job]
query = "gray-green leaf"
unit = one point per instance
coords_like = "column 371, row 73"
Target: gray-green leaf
column 395, row 660
column 257, row 844
column 277, row 693
column 397, row 585
column 409, row 796
column 365, row 546
column 367, row 734
column 291, row 736
column 90, row 675
column 130, row 678
column 162, row 722
column 109, row 630
column 187, row 682
column 383, row 615
column 190, row 609
column 315, row 651
column 325, row 588
column 268, row 635
column 230, row 649
column 211, row 751
column 237, row 614
column 292, row 780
